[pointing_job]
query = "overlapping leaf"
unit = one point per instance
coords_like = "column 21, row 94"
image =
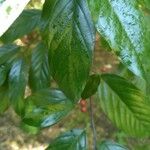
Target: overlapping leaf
column 125, row 105
column 71, row 42
column 72, row 140
column 46, row 107
column 91, row 86
column 40, row 71
column 122, row 24
column 18, row 80
column 24, row 24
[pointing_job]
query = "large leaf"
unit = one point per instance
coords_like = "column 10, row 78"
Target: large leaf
column 18, row 80
column 40, row 71
column 8, row 53
column 110, row 145
column 122, row 24
column 46, row 107
column 24, row 24
column 72, row 140
column 125, row 105
column 71, row 42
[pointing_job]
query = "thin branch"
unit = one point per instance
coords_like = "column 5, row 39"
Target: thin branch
column 93, row 125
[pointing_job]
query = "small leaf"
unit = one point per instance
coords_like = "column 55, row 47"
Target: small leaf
column 4, row 99
column 46, row 107
column 24, row 24
column 71, row 38
column 110, row 145
column 8, row 53
column 40, row 71
column 72, row 140
column 48, row 7
column 3, row 74
column 125, row 105
column 18, row 79
column 91, row 86
column 29, row 129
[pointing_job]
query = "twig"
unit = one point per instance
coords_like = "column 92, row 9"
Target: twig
column 93, row 125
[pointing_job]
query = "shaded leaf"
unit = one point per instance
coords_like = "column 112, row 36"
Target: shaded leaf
column 125, row 105
column 71, row 42
column 48, row 6
column 8, row 53
column 40, row 71
column 123, row 26
column 24, row 24
column 18, row 80
column 71, row 140
column 110, row 145
column 46, row 107
column 91, row 86
column 3, row 74
column 4, row 99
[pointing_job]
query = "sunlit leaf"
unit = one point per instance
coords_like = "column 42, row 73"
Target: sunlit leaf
column 125, row 105
column 122, row 24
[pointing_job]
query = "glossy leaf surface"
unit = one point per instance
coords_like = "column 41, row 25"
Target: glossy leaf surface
column 110, row 145
column 72, row 140
column 18, row 80
column 46, row 107
column 24, row 24
column 71, row 42
column 122, row 24
column 125, row 105
column 40, row 71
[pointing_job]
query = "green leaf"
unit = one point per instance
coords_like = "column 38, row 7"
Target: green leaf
column 91, row 86
column 71, row 140
column 125, row 105
column 3, row 74
column 4, row 99
column 94, row 8
column 110, row 145
column 8, row 53
column 24, row 24
column 18, row 80
column 46, row 107
column 40, row 71
column 29, row 129
column 71, row 44
column 48, row 6
column 123, row 26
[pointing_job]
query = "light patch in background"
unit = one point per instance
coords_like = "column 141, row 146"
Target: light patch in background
column 9, row 11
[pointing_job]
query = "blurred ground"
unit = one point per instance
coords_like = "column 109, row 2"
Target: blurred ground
column 14, row 137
